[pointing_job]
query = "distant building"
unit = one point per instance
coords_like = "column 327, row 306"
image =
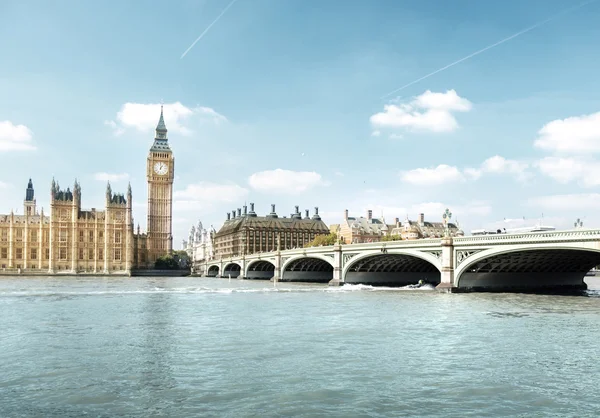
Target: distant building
column 355, row 230
column 199, row 245
column 247, row 233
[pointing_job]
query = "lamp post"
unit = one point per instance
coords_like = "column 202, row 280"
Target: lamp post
column 446, row 217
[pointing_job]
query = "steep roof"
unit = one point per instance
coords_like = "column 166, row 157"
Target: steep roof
column 266, row 222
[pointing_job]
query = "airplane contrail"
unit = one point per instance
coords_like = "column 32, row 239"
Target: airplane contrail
column 208, row 28
column 530, row 28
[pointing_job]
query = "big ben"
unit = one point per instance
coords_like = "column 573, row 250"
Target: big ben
column 160, row 172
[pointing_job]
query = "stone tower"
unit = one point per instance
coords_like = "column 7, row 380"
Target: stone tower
column 160, row 172
column 29, row 202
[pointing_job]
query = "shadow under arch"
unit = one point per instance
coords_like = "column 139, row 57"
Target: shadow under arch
column 260, row 269
column 391, row 269
column 231, row 269
column 213, row 271
column 546, row 270
column 307, row 269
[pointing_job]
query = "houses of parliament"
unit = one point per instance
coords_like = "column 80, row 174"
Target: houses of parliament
column 72, row 240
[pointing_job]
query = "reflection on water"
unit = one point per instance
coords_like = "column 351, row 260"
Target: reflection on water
column 183, row 347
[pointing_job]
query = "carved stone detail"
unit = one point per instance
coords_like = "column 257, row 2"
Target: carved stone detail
column 348, row 257
column 436, row 254
column 463, row 255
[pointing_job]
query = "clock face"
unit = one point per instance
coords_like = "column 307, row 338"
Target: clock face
column 161, row 168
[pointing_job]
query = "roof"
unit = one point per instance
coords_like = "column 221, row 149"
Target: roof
column 266, row 222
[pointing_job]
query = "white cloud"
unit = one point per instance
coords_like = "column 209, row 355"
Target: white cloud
column 432, row 176
column 144, row 117
column 500, row 165
column 585, row 171
column 111, row 177
column 396, row 136
column 427, row 112
column 443, row 173
column 15, row 137
column 339, row 174
column 204, row 194
column 567, row 202
column 376, row 133
column 575, row 135
column 285, row 181
column 4, row 185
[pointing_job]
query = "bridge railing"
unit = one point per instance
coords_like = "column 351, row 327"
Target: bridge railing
column 567, row 235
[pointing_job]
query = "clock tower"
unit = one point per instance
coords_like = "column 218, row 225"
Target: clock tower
column 160, row 172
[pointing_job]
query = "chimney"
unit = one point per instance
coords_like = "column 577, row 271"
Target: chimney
column 272, row 207
column 421, row 219
column 316, row 216
column 239, row 212
column 233, row 214
column 228, row 216
column 273, row 214
column 307, row 215
column 346, row 214
column 397, row 222
column 369, row 214
column 245, row 210
column 297, row 209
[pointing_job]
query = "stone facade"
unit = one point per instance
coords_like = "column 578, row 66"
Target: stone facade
column 199, row 245
column 247, row 233
column 74, row 240
column 357, row 230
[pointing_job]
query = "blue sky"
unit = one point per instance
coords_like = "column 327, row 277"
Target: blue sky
column 297, row 86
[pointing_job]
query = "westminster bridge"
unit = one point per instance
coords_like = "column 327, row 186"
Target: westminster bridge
column 538, row 261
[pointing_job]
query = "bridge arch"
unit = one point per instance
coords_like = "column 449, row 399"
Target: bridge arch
column 213, row 271
column 392, row 267
column 260, row 269
column 554, row 267
column 231, row 269
column 315, row 268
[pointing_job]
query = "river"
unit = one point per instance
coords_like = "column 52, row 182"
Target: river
column 182, row 347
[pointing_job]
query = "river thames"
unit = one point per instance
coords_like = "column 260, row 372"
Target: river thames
column 181, row 347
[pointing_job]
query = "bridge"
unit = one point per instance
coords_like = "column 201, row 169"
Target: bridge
column 554, row 261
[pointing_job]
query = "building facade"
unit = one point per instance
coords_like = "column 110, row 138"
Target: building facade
column 75, row 240
column 353, row 230
column 199, row 245
column 247, row 233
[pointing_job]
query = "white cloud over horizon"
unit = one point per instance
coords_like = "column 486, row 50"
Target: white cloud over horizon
column 144, row 117
column 573, row 135
column 285, row 181
column 430, row 111
column 203, row 195
column 443, row 173
column 15, row 137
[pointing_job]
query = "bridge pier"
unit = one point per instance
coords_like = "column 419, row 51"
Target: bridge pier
column 277, row 272
column 447, row 284
column 338, row 279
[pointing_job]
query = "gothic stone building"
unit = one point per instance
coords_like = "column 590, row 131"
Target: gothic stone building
column 248, row 233
column 73, row 240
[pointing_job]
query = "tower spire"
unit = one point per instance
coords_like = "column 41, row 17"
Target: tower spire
column 161, row 128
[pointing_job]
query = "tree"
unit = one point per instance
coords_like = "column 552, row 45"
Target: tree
column 166, row 262
column 320, row 240
column 391, row 238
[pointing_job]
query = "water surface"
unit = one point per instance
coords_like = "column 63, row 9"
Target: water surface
column 181, row 347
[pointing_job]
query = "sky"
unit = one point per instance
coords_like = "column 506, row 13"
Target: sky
column 296, row 103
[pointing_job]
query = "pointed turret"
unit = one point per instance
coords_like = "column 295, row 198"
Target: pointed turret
column 161, row 142
column 29, row 203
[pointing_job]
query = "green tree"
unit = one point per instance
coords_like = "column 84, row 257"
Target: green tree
column 392, row 238
column 166, row 262
column 320, row 240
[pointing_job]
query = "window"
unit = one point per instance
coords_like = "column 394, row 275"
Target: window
column 117, row 254
column 100, row 254
column 19, row 253
column 4, row 253
column 62, row 235
column 19, row 234
column 62, row 253
column 47, row 253
column 80, row 236
column 34, row 236
column 81, row 253
column 91, row 236
column 46, row 236
column 34, row 254
column 117, row 237
column 5, row 235
column 90, row 254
